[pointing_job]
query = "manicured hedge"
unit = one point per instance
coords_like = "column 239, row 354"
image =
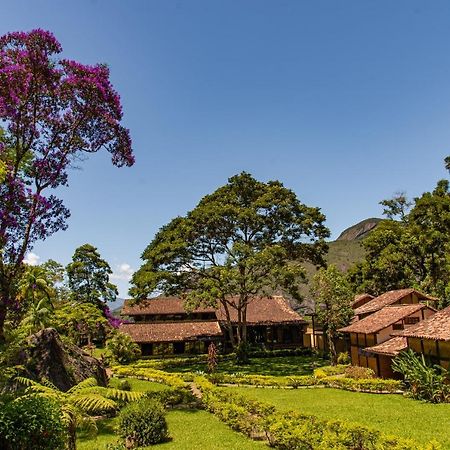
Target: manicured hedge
column 149, row 374
column 263, row 380
column 375, row 385
column 291, row 431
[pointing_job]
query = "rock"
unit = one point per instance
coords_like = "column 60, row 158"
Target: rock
column 64, row 365
column 359, row 231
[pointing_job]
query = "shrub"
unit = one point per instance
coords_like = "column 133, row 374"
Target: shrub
column 424, row 382
column 343, row 358
column 124, row 385
column 327, row 371
column 363, row 384
column 121, row 349
column 358, row 373
column 142, row 423
column 31, row 423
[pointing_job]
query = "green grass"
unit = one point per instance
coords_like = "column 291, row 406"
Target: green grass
column 138, row 385
column 287, row 365
column 392, row 414
column 189, row 430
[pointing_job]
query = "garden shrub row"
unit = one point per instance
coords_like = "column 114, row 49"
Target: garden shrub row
column 295, row 431
column 375, row 385
column 263, row 380
column 327, row 371
column 149, row 374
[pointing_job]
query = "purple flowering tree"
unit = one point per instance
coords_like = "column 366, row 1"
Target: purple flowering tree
column 52, row 111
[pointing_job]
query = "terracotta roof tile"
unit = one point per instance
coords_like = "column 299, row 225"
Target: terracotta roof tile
column 389, row 298
column 436, row 327
column 265, row 311
column 362, row 298
column 382, row 319
column 171, row 331
column 260, row 310
column 391, row 347
column 158, row 305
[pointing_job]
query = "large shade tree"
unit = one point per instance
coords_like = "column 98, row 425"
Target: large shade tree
column 246, row 239
column 52, row 111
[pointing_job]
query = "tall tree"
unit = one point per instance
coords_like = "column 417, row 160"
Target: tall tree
column 88, row 276
column 245, row 239
column 53, row 110
column 333, row 299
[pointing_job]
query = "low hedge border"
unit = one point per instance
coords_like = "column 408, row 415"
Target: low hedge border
column 158, row 376
column 289, row 431
column 369, row 385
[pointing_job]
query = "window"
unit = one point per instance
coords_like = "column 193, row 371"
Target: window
column 398, row 326
column 411, row 320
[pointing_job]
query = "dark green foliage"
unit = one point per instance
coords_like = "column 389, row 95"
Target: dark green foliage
column 412, row 252
column 120, row 348
column 333, row 297
column 143, row 423
column 124, row 385
column 424, row 382
column 88, row 276
column 31, row 423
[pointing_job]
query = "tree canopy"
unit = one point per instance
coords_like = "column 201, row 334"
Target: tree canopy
column 246, row 239
column 88, row 277
column 412, row 252
column 333, row 300
column 52, row 111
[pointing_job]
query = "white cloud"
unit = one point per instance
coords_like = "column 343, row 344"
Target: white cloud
column 31, row 259
column 123, row 272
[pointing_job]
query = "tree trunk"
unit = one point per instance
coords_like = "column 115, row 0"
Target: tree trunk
column 72, row 441
column 332, row 348
column 2, row 319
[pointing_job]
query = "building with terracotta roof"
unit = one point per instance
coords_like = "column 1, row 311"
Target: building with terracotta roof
column 431, row 337
column 361, row 300
column 384, row 353
column 396, row 297
column 161, row 325
column 378, row 327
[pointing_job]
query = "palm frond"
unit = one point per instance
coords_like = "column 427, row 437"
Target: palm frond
column 87, row 383
column 93, row 403
column 115, row 394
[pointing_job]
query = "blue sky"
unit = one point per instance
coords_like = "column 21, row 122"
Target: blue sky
column 345, row 102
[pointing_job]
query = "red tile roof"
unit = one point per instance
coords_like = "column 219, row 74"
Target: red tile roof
column 171, row 331
column 436, row 327
column 265, row 311
column 158, row 305
column 364, row 298
column 391, row 347
column 389, row 298
column 260, row 310
column 382, row 319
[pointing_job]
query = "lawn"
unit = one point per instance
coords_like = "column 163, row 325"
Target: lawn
column 392, row 414
column 286, row 365
column 189, row 430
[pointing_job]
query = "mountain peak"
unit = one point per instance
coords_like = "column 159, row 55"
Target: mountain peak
column 360, row 230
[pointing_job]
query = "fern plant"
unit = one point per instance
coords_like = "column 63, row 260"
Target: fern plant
column 81, row 402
